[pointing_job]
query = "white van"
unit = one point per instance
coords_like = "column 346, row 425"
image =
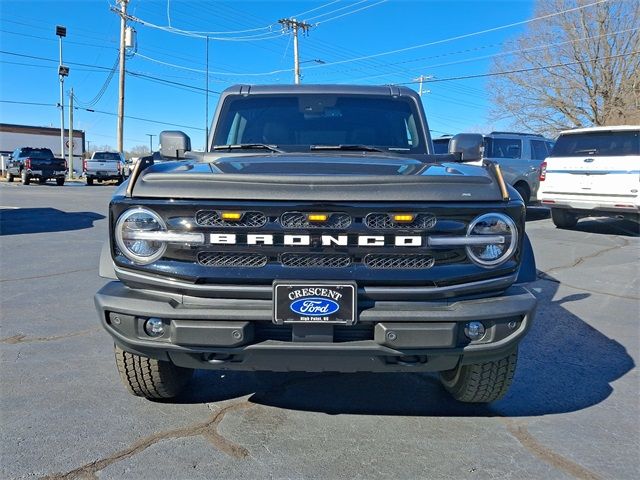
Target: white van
column 592, row 172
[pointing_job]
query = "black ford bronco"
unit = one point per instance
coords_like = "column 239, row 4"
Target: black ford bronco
column 317, row 232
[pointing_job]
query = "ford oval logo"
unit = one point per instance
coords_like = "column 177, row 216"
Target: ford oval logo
column 314, row 306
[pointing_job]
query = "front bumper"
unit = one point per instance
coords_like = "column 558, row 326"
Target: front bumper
column 238, row 334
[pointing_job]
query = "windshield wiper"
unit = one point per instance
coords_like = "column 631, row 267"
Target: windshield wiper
column 353, row 148
column 248, row 146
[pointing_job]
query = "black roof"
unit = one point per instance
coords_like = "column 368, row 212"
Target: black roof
column 517, row 133
column 318, row 89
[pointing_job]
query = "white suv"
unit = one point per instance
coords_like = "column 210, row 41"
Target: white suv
column 592, row 172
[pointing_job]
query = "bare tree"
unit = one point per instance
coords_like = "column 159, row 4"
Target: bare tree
column 137, row 151
column 593, row 60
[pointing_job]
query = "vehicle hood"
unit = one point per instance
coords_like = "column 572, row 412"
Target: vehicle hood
column 317, row 177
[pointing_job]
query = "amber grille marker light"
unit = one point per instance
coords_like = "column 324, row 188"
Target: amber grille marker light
column 317, row 217
column 231, row 215
column 404, row 217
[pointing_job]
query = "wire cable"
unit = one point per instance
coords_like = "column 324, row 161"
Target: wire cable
column 103, row 112
column 522, row 70
column 459, row 37
column 351, row 12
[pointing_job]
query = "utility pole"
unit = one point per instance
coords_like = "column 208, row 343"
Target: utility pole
column 291, row 24
column 123, row 28
column 420, row 79
column 206, row 107
column 63, row 71
column 150, row 141
column 70, row 140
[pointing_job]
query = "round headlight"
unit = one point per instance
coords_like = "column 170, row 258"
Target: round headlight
column 501, row 239
column 129, row 234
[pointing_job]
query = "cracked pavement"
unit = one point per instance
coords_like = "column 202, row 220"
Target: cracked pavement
column 572, row 411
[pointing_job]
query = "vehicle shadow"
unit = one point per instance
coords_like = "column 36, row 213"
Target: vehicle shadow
column 564, row 365
column 609, row 226
column 40, row 220
column 535, row 213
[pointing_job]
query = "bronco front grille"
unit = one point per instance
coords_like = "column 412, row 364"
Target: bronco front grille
column 398, row 261
column 315, row 260
column 299, row 220
column 383, row 221
column 223, row 259
column 211, row 218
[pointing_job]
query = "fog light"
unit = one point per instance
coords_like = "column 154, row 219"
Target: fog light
column 154, row 327
column 474, row 330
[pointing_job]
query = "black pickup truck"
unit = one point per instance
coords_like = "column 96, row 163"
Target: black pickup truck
column 318, row 232
column 35, row 163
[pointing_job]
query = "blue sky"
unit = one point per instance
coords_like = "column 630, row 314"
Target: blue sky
column 344, row 32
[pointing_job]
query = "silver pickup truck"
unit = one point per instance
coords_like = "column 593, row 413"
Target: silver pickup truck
column 104, row 166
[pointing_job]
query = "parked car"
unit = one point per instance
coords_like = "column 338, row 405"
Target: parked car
column 593, row 172
column 35, row 163
column 520, row 156
column 104, row 166
column 129, row 164
column 441, row 144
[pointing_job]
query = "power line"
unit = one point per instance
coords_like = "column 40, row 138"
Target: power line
column 103, row 89
column 188, row 33
column 510, row 52
column 134, row 73
column 522, row 70
column 380, row 54
column 460, row 37
column 315, row 9
column 103, row 112
column 337, row 10
column 351, row 12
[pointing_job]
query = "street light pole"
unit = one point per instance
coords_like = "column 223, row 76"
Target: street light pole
column 61, row 32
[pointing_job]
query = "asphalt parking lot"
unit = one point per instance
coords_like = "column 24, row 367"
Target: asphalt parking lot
column 572, row 412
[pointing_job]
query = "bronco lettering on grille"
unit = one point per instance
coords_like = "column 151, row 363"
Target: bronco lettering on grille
column 324, row 240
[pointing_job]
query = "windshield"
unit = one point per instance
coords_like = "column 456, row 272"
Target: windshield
column 106, row 156
column 297, row 122
column 37, row 152
column 612, row 144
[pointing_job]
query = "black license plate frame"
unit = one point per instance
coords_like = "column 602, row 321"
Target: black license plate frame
column 289, row 309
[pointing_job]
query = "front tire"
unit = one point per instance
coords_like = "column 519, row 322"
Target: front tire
column 60, row 182
column 9, row 176
column 151, row 378
column 89, row 181
column 523, row 190
column 480, row 382
column 25, row 178
column 563, row 218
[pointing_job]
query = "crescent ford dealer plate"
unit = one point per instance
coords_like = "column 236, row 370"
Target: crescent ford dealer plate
column 314, row 303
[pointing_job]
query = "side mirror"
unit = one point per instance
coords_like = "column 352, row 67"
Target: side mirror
column 174, row 143
column 469, row 145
